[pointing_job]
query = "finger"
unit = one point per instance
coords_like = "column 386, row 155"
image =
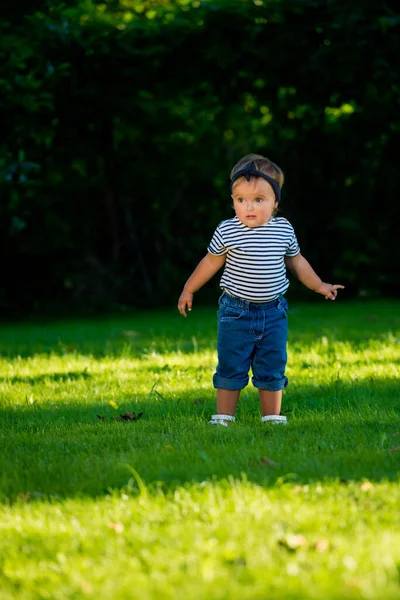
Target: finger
column 338, row 287
column 181, row 308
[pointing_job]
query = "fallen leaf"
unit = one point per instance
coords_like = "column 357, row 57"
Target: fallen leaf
column 353, row 582
column 367, row 485
column 198, row 401
column 396, row 433
column 321, row 545
column 128, row 416
column 100, row 416
column 269, row 462
column 113, row 404
column 117, row 527
column 292, row 542
column 131, row 416
column 24, row 497
column 395, row 449
column 86, row 588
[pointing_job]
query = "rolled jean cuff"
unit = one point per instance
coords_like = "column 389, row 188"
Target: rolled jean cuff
column 271, row 386
column 229, row 384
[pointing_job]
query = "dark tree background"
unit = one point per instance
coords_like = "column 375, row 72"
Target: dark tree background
column 120, row 122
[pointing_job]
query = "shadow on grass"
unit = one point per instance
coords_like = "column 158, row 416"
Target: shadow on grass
column 343, row 432
column 165, row 332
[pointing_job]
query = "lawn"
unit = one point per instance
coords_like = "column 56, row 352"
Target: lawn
column 167, row 506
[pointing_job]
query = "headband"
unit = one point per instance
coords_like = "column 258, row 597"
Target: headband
column 248, row 171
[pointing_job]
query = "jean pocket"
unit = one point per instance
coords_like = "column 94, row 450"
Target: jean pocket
column 220, row 299
column 230, row 313
column 282, row 306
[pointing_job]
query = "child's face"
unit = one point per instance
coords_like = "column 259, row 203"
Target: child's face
column 254, row 201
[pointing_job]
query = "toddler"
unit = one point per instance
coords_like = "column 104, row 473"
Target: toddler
column 255, row 247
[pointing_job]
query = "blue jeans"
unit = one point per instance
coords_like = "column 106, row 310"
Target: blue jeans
column 251, row 334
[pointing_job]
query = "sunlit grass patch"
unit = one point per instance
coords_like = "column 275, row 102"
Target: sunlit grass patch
column 219, row 539
column 168, row 506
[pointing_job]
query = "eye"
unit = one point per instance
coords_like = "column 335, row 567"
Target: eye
column 240, row 200
column 259, row 200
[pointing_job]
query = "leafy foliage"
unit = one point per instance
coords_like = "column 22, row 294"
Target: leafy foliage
column 121, row 121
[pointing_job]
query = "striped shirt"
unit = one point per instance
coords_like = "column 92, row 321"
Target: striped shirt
column 255, row 267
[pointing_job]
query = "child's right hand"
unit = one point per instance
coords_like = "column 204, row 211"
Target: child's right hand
column 329, row 290
column 185, row 300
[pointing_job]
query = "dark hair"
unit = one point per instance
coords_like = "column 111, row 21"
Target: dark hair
column 262, row 164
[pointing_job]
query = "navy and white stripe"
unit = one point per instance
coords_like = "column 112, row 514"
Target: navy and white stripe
column 255, row 266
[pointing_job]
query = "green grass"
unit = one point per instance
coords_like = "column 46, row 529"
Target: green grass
column 169, row 507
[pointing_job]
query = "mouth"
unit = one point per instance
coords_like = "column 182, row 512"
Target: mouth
column 250, row 216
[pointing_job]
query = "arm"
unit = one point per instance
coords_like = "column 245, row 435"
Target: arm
column 304, row 272
column 206, row 268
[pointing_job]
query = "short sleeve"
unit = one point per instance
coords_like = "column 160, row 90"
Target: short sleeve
column 293, row 248
column 217, row 244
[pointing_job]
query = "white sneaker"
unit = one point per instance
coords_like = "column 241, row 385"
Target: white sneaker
column 275, row 419
column 224, row 420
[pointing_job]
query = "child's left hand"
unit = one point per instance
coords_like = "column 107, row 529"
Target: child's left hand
column 329, row 290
